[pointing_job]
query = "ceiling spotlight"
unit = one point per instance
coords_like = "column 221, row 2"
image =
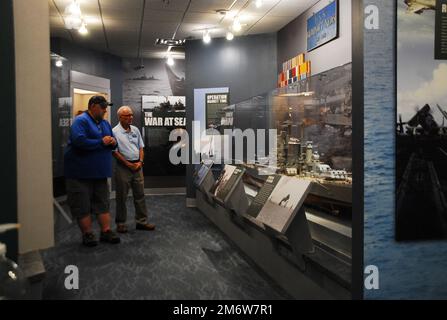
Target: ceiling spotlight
column 207, row 37
column 83, row 29
column 259, row 4
column 170, row 61
column 230, row 36
column 59, row 63
column 73, row 9
column 170, row 42
column 72, row 22
column 231, row 14
column 237, row 25
column 222, row 12
column 73, row 16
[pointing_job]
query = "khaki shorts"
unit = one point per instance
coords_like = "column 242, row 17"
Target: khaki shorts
column 87, row 197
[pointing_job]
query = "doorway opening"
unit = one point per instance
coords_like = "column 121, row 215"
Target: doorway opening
column 81, row 98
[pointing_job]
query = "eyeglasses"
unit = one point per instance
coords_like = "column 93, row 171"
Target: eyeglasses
column 127, row 115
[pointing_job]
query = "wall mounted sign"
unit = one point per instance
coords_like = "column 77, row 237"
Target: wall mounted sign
column 161, row 111
column 322, row 27
column 160, row 116
column 218, row 114
column 441, row 30
column 164, row 119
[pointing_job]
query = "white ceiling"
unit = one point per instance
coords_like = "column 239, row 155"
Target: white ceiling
column 114, row 25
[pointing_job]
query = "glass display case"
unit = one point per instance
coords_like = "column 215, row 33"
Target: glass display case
column 61, row 117
column 313, row 119
column 313, row 122
column 302, row 202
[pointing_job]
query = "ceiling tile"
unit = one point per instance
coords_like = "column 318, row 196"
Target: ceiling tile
column 162, row 15
column 121, row 25
column 118, row 13
column 159, row 29
column 205, row 18
column 57, row 22
column 168, row 5
column 292, row 8
column 209, row 6
column 122, row 20
column 122, row 4
column 269, row 24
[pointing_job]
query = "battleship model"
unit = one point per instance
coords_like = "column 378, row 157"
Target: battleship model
column 331, row 189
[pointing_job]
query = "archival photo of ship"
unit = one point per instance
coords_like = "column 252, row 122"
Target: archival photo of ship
column 164, row 103
column 151, row 77
column 421, row 134
column 284, row 202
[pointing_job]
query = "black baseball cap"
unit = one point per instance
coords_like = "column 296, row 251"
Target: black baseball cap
column 99, row 100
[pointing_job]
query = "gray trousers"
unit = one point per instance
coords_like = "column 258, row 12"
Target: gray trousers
column 126, row 179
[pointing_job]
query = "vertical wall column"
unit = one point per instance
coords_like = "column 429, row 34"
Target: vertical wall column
column 33, row 113
column 358, row 148
column 8, row 187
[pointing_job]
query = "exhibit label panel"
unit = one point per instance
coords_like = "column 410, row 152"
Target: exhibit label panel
column 263, row 195
column 441, row 30
column 226, row 183
column 218, row 116
column 282, row 205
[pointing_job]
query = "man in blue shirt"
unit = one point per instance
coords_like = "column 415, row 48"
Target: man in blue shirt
column 129, row 172
column 87, row 165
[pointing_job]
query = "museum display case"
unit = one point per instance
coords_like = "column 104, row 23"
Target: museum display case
column 303, row 199
column 61, row 117
column 313, row 123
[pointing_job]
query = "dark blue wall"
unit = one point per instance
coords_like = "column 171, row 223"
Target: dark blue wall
column 95, row 63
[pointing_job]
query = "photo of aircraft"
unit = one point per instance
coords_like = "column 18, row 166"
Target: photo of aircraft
column 419, row 6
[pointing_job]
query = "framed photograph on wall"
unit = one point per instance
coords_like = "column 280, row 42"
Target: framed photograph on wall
column 322, row 27
column 163, row 103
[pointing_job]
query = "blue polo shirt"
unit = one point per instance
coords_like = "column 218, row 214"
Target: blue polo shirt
column 129, row 142
column 85, row 156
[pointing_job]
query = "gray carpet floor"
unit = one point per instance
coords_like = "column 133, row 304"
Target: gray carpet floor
column 187, row 257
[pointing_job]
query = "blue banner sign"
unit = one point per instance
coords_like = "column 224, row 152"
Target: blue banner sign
column 322, row 27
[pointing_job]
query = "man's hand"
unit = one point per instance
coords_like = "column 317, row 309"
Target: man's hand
column 109, row 141
column 134, row 166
